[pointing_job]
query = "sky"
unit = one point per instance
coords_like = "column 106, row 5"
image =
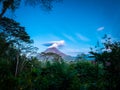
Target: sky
column 78, row 24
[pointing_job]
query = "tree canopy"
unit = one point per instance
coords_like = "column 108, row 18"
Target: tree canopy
column 14, row 4
column 109, row 57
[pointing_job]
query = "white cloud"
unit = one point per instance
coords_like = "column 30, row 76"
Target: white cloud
column 69, row 37
column 55, row 44
column 81, row 37
column 100, row 28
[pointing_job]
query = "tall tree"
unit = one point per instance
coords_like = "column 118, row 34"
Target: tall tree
column 12, row 33
column 110, row 58
column 15, row 41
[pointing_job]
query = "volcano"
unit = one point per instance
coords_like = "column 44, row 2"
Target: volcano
column 56, row 51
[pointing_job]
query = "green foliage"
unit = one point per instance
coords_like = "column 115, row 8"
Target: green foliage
column 110, row 59
column 62, row 75
column 81, row 56
column 37, row 75
column 12, row 31
column 13, row 41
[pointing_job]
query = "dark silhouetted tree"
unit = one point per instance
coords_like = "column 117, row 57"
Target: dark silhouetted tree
column 110, row 58
column 14, row 4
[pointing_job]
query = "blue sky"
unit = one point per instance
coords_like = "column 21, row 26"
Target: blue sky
column 79, row 23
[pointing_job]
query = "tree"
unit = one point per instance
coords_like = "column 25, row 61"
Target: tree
column 12, row 34
column 14, row 4
column 110, row 58
column 81, row 56
column 15, row 42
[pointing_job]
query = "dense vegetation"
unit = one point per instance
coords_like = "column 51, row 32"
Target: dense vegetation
column 55, row 75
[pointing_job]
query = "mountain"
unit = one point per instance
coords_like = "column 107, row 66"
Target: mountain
column 56, row 51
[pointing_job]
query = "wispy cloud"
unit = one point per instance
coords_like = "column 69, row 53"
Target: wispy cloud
column 100, row 28
column 73, row 50
column 69, row 37
column 76, row 51
column 55, row 44
column 81, row 37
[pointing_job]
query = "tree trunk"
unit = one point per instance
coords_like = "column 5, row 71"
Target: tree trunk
column 6, row 5
column 3, row 12
column 17, row 63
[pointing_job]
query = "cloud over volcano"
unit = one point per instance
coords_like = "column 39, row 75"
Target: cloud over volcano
column 54, row 44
